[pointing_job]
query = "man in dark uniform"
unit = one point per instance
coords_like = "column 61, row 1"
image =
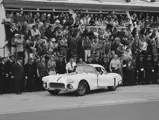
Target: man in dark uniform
column 36, row 61
column 18, row 74
column 61, row 65
column 2, row 75
column 41, row 72
column 6, row 71
column 105, row 63
column 30, row 70
column 156, row 65
column 140, row 66
column 133, row 64
column 10, row 64
column 128, row 72
column 149, row 70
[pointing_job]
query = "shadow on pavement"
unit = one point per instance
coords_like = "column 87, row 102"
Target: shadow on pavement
column 72, row 94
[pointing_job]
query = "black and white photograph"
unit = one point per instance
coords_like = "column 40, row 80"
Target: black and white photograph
column 79, row 60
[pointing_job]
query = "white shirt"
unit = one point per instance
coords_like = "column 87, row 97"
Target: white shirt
column 34, row 33
column 115, row 63
column 143, row 46
column 69, row 67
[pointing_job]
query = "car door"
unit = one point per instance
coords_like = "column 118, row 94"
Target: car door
column 104, row 79
column 101, row 77
column 91, row 77
column 108, row 79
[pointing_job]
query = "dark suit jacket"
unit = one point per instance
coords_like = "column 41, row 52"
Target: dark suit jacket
column 18, row 71
column 30, row 70
column 42, row 69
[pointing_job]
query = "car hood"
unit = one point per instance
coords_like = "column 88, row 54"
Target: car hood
column 59, row 77
column 54, row 78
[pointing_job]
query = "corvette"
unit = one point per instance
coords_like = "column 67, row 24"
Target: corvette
column 86, row 77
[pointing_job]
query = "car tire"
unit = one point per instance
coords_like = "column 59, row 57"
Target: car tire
column 82, row 88
column 112, row 88
column 54, row 92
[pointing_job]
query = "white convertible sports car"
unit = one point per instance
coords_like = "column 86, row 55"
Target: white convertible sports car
column 86, row 78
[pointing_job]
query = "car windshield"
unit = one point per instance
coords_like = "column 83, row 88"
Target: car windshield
column 85, row 69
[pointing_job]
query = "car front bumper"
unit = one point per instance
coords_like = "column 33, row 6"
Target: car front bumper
column 66, row 87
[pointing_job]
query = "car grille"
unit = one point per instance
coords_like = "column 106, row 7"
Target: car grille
column 57, row 85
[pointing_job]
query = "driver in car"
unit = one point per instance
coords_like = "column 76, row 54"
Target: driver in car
column 70, row 66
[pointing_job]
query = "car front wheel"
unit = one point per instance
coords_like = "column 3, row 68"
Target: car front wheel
column 82, row 88
column 54, row 92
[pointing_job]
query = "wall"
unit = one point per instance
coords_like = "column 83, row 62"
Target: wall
column 2, row 30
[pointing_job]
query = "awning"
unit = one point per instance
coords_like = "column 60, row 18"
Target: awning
column 80, row 4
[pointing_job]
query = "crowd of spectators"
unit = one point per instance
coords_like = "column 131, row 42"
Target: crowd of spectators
column 92, row 38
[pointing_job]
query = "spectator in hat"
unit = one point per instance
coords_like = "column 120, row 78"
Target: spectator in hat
column 14, row 43
column 49, row 19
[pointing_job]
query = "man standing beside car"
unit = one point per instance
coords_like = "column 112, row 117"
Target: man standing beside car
column 70, row 66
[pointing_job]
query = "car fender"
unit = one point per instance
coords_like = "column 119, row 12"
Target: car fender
column 117, row 78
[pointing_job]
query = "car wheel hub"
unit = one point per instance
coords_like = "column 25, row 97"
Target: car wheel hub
column 82, row 88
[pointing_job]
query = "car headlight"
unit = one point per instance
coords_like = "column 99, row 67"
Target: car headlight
column 70, row 81
column 69, row 86
column 45, row 79
column 45, row 85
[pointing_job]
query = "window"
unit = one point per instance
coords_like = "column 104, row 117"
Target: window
column 99, row 69
column 104, row 71
column 85, row 69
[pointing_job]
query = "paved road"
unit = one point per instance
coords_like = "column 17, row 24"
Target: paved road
column 135, row 111
column 127, row 103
